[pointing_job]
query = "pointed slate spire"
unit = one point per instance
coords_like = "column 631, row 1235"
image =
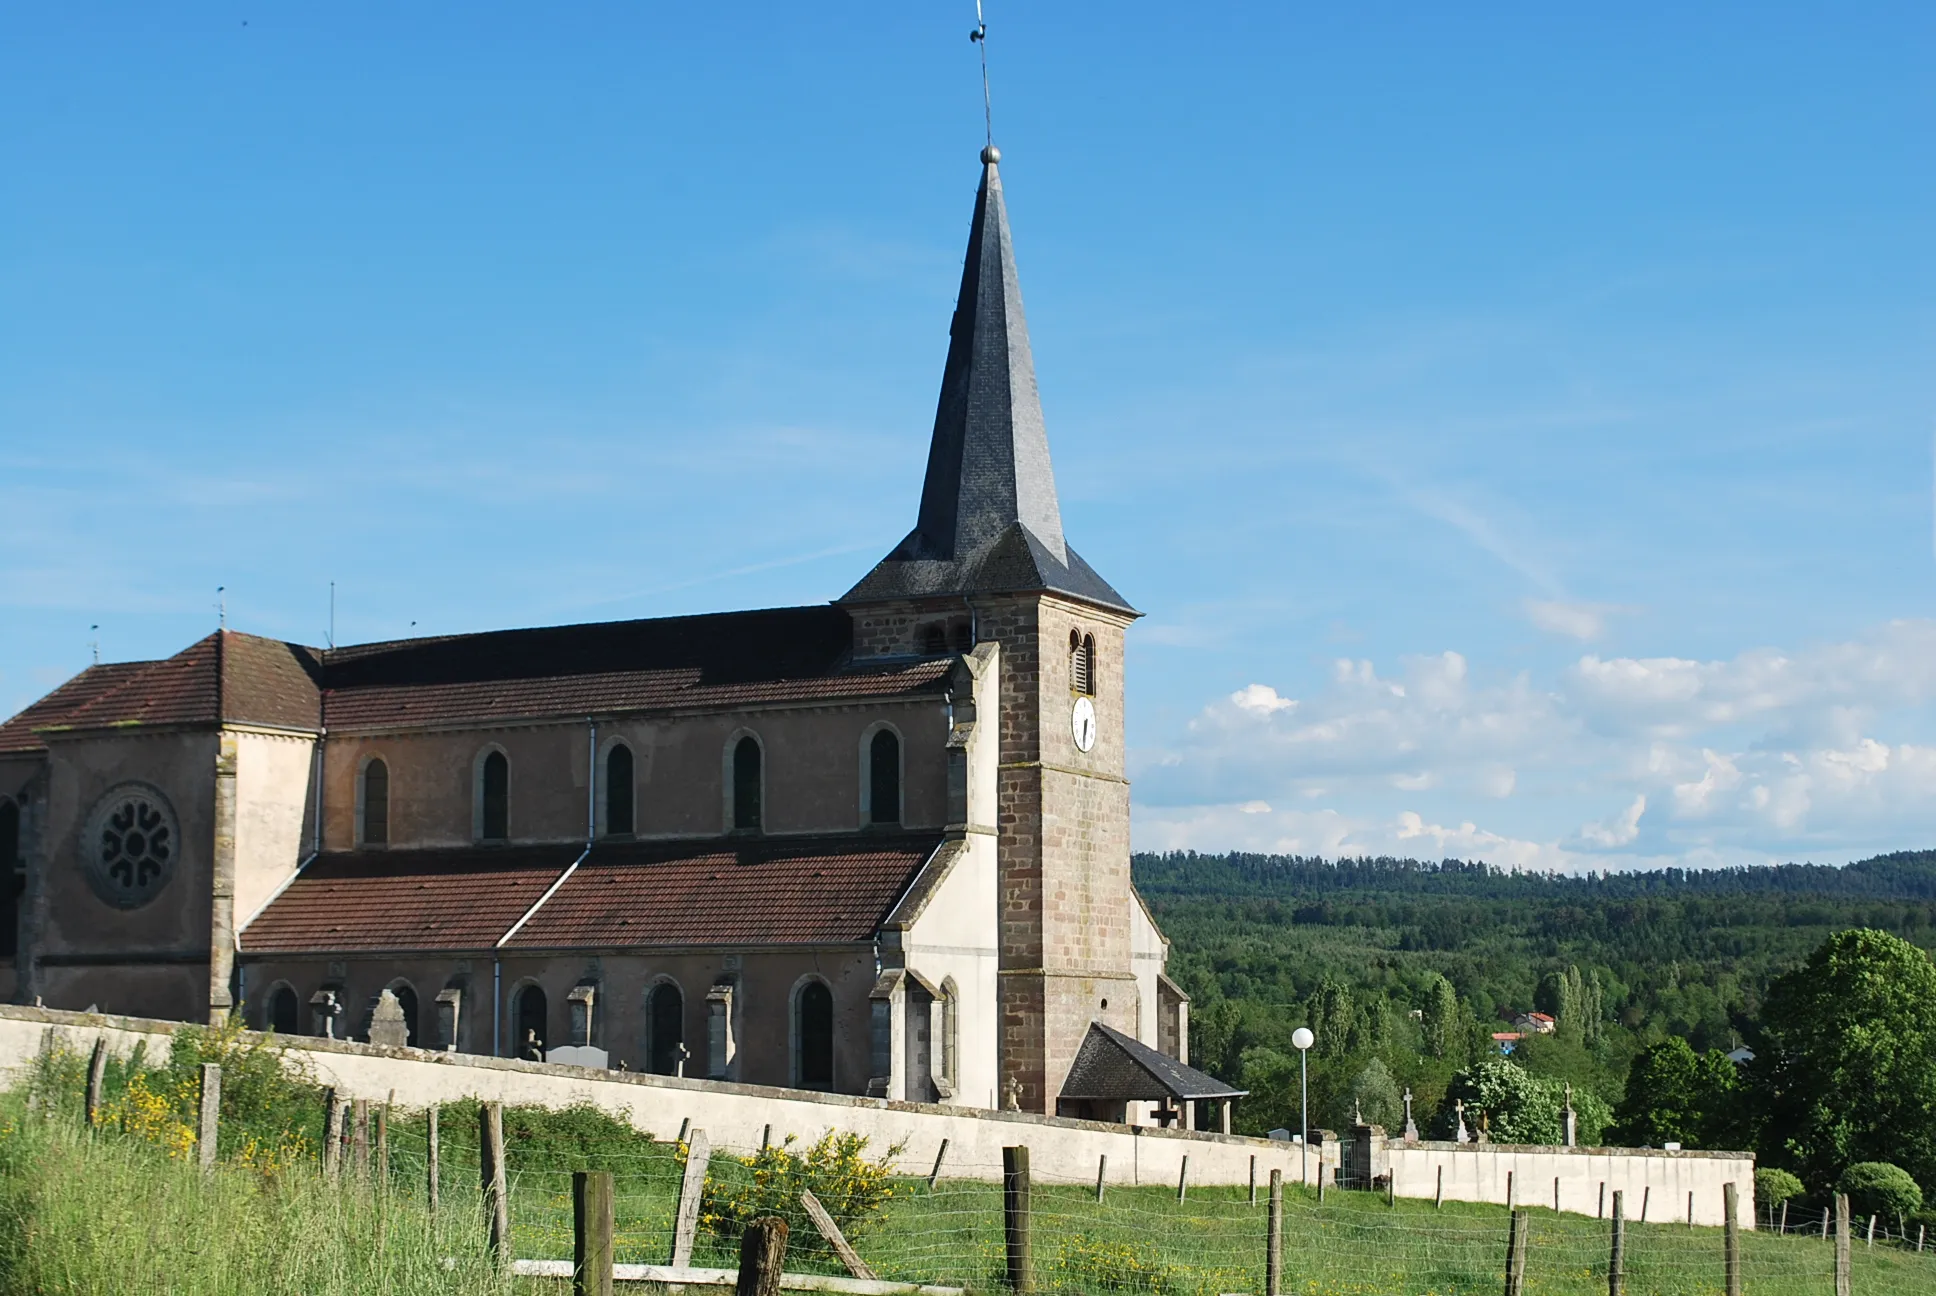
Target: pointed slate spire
column 989, row 521
column 988, row 465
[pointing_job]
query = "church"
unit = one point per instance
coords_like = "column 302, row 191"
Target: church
column 875, row 846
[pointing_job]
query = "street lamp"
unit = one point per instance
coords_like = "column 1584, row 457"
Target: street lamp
column 1303, row 1039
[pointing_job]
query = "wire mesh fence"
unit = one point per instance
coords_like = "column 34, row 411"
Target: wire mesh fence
column 956, row 1229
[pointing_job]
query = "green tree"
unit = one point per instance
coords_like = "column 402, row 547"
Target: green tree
column 1375, row 1094
column 1333, row 1018
column 1878, row 1188
column 1507, row 1102
column 1443, row 1024
column 1677, row 1096
column 1845, row 1060
column 1773, row 1187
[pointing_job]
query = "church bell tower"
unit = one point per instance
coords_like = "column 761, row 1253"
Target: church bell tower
column 988, row 554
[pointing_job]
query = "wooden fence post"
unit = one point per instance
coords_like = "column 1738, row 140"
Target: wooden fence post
column 1102, row 1169
column 1438, row 1194
column 1253, row 1180
column 762, row 1256
column 1516, row 1239
column 1824, row 1223
column 360, row 1137
column 1617, row 1250
column 491, row 1177
column 1646, row 1196
column 1274, row 1238
column 1556, row 1194
column 332, row 1133
column 431, row 1151
column 1781, row 1229
column 934, row 1175
column 686, row 1223
column 97, row 1074
column 1871, row 1242
column 1731, row 1236
column 1841, row 1244
column 836, row 1239
column 383, row 1145
column 1603, row 1201
column 591, row 1233
column 1509, row 1190
column 211, row 1112
column 1015, row 1219
column 1183, row 1183
column 1690, row 1210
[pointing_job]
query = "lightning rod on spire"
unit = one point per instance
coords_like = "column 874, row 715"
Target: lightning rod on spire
column 980, row 37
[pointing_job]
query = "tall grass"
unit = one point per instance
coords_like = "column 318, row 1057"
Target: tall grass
column 118, row 1214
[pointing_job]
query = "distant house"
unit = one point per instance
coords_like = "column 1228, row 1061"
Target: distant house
column 1506, row 1041
column 1535, row 1023
column 1740, row 1055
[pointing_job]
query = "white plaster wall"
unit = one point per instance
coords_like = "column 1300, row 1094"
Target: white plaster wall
column 273, row 777
column 735, row 1116
column 955, row 937
column 1148, row 953
column 1659, row 1182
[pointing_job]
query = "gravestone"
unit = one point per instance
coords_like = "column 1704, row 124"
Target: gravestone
column 387, row 1025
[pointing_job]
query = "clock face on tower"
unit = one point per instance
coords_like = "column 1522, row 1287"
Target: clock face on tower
column 1082, row 723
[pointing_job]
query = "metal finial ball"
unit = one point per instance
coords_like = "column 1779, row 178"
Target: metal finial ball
column 991, row 155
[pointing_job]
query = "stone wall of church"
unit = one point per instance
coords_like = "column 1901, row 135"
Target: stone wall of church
column 764, row 983
column 150, row 958
column 813, row 757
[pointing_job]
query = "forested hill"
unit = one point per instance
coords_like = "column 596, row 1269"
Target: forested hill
column 1262, row 943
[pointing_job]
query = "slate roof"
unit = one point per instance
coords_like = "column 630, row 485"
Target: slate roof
column 759, row 891
column 726, row 659
column 989, row 521
column 1113, row 1067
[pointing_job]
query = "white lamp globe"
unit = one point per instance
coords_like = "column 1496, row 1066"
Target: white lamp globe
column 1303, row 1038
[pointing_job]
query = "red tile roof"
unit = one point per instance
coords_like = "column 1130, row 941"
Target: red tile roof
column 408, row 900
column 17, row 734
column 770, row 892
column 767, row 891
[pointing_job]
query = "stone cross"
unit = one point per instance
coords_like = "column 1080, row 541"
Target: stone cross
column 387, row 1025
column 1357, row 1112
column 1012, row 1095
column 1411, row 1130
column 1572, row 1120
column 1460, row 1135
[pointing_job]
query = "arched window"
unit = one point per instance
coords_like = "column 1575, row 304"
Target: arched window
column 530, row 1016
column 494, row 798
column 665, row 1028
column 1082, row 662
column 407, row 1000
column 618, row 790
column 747, row 779
column 376, row 803
column 884, row 778
column 947, row 1037
column 814, row 1024
column 285, row 1011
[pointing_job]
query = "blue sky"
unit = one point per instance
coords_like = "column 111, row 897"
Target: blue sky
column 1517, row 424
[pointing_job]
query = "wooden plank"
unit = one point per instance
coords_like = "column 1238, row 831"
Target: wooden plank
column 835, row 1238
column 690, row 1277
column 686, row 1222
column 97, row 1074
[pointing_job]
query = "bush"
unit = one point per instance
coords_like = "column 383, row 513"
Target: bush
column 854, row 1189
column 1086, row 1265
column 1878, row 1188
column 1773, row 1187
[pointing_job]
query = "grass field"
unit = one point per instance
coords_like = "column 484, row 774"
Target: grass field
column 117, row 1213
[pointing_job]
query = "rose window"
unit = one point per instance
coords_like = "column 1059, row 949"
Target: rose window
column 135, row 842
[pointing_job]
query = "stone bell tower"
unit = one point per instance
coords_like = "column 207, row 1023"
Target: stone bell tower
column 987, row 561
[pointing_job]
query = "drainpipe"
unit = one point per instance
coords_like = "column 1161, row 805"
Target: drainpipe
column 497, row 1005
column 591, row 783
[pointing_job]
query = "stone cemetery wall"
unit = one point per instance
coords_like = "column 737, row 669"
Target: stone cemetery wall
column 737, row 1115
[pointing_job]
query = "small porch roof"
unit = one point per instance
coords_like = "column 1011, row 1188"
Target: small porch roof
column 1111, row 1066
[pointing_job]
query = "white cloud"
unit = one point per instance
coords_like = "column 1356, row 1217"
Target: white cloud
column 1619, row 830
column 1574, row 620
column 1821, row 752
column 1261, row 699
